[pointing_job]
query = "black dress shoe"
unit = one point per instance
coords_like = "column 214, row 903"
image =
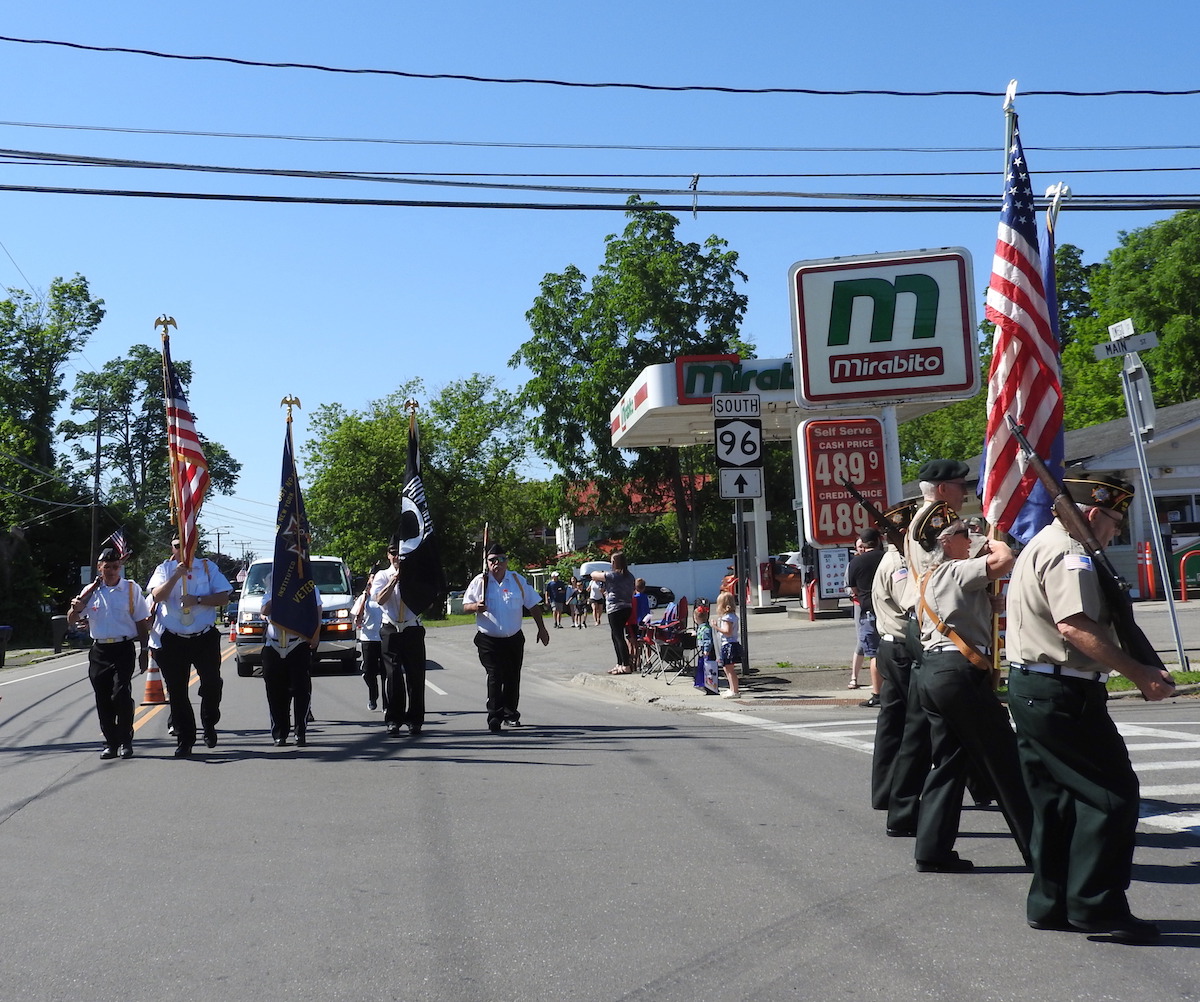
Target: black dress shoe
column 126, row 751
column 1052, row 925
column 183, row 751
column 210, row 737
column 393, row 730
column 414, row 730
column 280, row 742
column 948, row 864
column 901, row 833
column 301, row 739
column 513, row 721
column 494, row 728
column 108, row 752
column 1127, row 929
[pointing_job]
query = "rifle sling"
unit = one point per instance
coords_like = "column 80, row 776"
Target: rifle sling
column 969, row 652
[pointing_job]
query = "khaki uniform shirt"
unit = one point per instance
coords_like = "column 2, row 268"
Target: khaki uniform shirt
column 1053, row 580
column 957, row 592
column 887, row 594
column 917, row 559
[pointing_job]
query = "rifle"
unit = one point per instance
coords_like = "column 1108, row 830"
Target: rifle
column 1115, row 588
column 882, row 522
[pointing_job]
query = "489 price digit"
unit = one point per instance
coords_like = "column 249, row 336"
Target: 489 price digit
column 852, row 466
column 842, row 519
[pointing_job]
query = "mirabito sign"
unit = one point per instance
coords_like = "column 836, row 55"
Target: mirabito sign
column 878, row 328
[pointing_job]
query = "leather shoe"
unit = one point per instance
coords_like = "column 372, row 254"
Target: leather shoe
column 183, row 751
column 414, row 730
column 126, row 751
column 1052, row 925
column 494, row 728
column 1127, row 929
column 109, row 752
column 393, row 730
column 901, row 833
column 947, row 864
column 280, row 742
column 301, row 739
column 210, row 737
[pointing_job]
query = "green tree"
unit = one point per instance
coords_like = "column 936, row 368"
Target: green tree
column 654, row 298
column 473, row 445
column 37, row 336
column 126, row 398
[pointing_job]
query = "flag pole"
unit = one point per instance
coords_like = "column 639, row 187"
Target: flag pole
column 166, row 322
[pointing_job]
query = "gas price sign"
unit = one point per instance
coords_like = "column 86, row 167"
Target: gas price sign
column 834, row 452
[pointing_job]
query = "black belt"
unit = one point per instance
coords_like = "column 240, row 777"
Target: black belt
column 114, row 640
column 190, row 636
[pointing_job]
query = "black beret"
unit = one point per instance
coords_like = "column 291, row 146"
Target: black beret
column 1102, row 492
column 931, row 522
column 938, row 470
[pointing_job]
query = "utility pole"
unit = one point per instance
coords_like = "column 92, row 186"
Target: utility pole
column 217, row 532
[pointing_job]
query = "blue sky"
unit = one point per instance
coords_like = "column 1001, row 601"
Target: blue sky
column 342, row 303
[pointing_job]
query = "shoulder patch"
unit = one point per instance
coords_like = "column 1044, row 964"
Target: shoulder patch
column 1077, row 562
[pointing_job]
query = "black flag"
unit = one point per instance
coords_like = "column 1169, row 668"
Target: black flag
column 422, row 579
column 293, row 594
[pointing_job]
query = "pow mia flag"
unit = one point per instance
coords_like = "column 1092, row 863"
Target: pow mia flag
column 422, row 579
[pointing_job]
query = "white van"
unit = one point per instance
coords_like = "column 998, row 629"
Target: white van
column 332, row 578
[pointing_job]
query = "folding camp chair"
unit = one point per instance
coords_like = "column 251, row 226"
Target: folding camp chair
column 647, row 653
column 675, row 645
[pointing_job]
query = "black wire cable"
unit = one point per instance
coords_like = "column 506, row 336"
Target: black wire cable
column 470, row 78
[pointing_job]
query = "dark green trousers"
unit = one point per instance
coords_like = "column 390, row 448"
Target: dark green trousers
column 1085, row 798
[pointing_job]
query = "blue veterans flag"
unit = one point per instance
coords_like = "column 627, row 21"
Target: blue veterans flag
column 293, row 593
column 422, row 578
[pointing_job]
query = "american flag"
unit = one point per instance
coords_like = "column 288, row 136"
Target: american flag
column 119, row 544
column 189, row 468
column 1024, row 380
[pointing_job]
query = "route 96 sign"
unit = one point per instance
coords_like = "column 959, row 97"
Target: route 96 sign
column 738, row 441
column 834, row 452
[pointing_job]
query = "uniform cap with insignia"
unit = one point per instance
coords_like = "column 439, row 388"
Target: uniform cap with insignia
column 901, row 514
column 931, row 523
column 1102, row 492
column 938, row 470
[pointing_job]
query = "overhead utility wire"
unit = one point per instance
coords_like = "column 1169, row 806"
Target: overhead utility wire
column 471, row 78
column 1078, row 204
column 618, row 147
column 449, row 179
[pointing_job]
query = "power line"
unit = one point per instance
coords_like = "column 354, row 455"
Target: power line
column 617, row 147
column 963, row 203
column 471, row 78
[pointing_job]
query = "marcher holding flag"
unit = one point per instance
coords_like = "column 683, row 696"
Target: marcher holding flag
column 292, row 607
column 409, row 585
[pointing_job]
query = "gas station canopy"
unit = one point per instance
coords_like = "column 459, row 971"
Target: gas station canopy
column 671, row 404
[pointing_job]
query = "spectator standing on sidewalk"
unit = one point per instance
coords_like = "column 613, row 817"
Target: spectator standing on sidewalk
column 860, row 576
column 556, row 598
column 730, row 651
column 618, row 585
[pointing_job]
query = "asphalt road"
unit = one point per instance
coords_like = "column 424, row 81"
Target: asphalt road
column 608, row 850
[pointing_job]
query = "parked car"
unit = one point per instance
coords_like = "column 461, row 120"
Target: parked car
column 229, row 615
column 659, row 596
column 332, row 578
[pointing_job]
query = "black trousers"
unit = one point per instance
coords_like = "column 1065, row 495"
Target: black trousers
column 967, row 725
column 289, row 687
column 110, row 670
column 404, row 660
column 373, row 671
column 177, row 656
column 502, row 658
column 618, row 623
column 895, row 668
column 1085, row 798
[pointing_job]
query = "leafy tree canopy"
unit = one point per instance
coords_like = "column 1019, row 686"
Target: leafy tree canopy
column 653, row 299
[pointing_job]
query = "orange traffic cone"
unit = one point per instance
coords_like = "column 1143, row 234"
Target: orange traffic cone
column 154, row 686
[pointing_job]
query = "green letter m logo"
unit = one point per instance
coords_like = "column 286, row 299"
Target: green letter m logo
column 882, row 294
